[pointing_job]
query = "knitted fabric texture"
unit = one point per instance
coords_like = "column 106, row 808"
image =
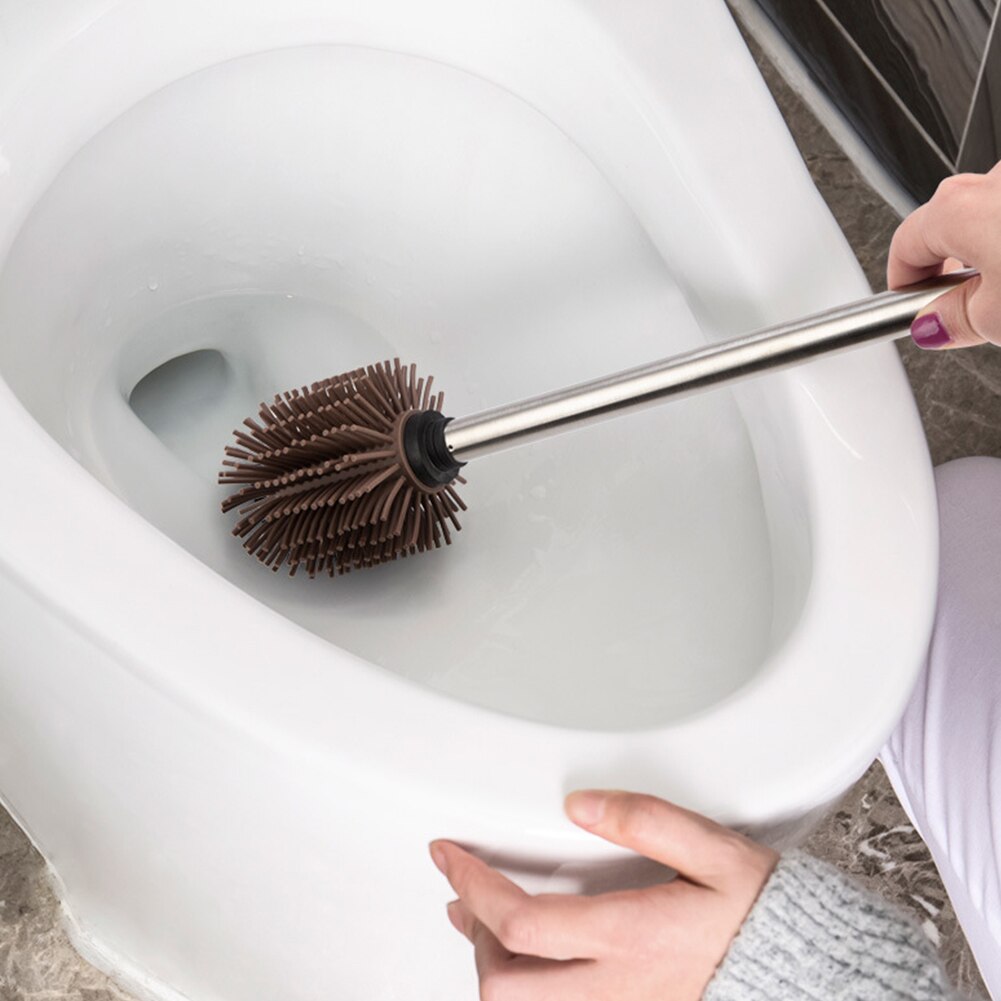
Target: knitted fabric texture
column 814, row 935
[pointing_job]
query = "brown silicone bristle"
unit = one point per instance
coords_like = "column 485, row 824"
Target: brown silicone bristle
column 323, row 483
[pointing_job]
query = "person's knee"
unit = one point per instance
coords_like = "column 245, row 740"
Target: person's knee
column 969, row 499
column 977, row 475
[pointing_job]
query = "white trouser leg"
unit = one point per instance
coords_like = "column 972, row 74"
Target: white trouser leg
column 944, row 758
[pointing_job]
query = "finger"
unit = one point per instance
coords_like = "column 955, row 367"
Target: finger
column 461, row 917
column 950, row 224
column 963, row 317
column 699, row 849
column 527, row 978
column 949, row 321
column 550, row 925
column 492, row 959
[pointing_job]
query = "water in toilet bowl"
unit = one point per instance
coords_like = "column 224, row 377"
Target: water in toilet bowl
column 250, row 228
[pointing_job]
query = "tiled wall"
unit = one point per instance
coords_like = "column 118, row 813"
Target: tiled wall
column 919, row 79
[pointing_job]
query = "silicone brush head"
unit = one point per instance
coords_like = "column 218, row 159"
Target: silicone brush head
column 326, row 479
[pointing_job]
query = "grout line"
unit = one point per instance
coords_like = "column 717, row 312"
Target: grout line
column 792, row 70
column 992, row 34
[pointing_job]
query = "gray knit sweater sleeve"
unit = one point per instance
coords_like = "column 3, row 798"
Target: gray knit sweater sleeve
column 815, row 935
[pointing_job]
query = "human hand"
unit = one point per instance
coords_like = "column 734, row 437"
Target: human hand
column 960, row 223
column 661, row 943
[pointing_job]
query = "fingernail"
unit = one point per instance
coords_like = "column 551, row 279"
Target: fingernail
column 929, row 332
column 586, row 807
column 438, row 857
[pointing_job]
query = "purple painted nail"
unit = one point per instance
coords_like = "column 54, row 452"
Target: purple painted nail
column 929, row 331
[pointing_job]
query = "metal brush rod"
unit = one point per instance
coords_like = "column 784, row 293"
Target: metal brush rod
column 878, row 318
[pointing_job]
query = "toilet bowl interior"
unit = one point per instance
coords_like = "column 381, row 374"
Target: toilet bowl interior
column 293, row 214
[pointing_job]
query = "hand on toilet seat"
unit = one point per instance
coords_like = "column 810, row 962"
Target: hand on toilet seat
column 738, row 922
column 661, row 943
column 957, row 227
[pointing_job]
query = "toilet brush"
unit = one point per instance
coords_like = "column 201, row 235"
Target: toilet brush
column 361, row 468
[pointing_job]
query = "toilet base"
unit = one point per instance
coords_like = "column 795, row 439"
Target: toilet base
column 137, row 982
column 125, row 974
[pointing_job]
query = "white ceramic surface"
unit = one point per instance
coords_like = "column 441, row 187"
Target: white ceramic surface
column 234, row 775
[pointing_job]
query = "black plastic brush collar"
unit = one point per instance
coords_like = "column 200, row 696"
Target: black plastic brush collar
column 425, row 449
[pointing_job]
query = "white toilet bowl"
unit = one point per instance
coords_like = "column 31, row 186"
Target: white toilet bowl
column 725, row 601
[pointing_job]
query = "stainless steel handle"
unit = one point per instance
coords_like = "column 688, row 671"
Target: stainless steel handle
column 877, row 318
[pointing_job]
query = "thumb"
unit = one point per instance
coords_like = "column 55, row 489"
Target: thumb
column 949, row 321
column 693, row 845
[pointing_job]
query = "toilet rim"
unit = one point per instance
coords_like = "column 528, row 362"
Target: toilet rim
column 236, row 678
column 342, row 705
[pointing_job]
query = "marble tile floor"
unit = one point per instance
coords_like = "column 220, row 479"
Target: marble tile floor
column 867, row 834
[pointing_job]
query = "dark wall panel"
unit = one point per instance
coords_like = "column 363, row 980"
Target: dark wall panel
column 919, row 79
column 880, row 116
column 928, row 52
column 982, row 148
